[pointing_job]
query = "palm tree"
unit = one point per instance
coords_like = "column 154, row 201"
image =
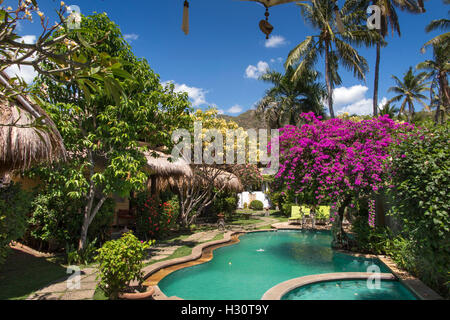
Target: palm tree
column 410, row 89
column 439, row 67
column 439, row 24
column 283, row 102
column 437, row 71
column 335, row 46
column 388, row 109
column 390, row 19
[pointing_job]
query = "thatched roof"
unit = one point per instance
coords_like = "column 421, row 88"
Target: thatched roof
column 22, row 146
column 165, row 166
column 231, row 182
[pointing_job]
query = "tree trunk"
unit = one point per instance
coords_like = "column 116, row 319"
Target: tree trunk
column 380, row 210
column 340, row 239
column 328, row 80
column 375, row 85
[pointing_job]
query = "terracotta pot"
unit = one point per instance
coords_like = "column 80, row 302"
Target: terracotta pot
column 138, row 295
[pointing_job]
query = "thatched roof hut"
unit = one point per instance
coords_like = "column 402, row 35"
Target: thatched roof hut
column 164, row 166
column 223, row 178
column 21, row 145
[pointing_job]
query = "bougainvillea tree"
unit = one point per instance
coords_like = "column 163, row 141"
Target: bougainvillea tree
column 338, row 161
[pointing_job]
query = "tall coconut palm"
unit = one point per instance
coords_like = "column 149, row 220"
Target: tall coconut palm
column 409, row 90
column 389, row 19
column 437, row 71
column 435, row 25
column 283, row 102
column 439, row 67
column 334, row 46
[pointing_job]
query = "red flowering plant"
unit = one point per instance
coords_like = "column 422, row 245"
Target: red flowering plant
column 338, row 162
column 153, row 218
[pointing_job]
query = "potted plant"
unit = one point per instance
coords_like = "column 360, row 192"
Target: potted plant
column 120, row 263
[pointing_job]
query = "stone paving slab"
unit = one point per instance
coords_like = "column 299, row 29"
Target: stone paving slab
column 78, row 294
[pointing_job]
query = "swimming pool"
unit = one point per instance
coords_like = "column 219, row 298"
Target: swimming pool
column 245, row 271
column 350, row 290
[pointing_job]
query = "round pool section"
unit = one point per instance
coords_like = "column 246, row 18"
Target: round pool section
column 261, row 260
column 350, row 290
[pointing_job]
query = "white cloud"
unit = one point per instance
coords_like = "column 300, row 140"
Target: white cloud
column 235, row 109
column 197, row 95
column 279, row 60
column 275, row 42
column 254, row 72
column 130, row 37
column 27, row 73
column 353, row 100
column 220, row 111
column 362, row 107
column 343, row 95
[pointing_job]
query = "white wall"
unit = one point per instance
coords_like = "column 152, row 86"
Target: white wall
column 244, row 197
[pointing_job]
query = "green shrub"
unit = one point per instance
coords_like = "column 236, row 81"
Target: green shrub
column 224, row 203
column 245, row 205
column 256, row 205
column 286, row 208
column 56, row 220
column 420, row 201
column 277, row 198
column 84, row 256
column 14, row 207
column 120, row 262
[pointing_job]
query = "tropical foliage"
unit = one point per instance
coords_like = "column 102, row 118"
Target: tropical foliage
column 287, row 99
column 120, row 262
column 421, row 202
column 14, row 208
column 410, row 89
column 102, row 134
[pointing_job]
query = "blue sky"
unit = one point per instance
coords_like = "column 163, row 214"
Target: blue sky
column 218, row 61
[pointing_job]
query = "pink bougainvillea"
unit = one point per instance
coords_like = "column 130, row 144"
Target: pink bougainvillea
column 338, row 160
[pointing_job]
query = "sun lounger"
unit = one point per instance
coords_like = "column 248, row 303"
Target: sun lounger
column 296, row 216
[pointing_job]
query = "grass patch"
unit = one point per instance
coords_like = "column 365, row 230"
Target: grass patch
column 269, row 226
column 22, row 274
column 243, row 222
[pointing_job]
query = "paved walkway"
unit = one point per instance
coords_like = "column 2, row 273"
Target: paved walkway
column 67, row 288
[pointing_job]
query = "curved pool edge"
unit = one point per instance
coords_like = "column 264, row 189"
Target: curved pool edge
column 197, row 255
column 278, row 291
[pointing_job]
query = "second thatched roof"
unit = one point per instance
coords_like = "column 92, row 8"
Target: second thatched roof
column 21, row 144
column 227, row 180
column 164, row 166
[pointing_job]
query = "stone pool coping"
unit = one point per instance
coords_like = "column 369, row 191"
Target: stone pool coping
column 277, row 292
column 413, row 284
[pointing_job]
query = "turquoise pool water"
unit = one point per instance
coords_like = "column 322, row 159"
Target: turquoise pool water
column 350, row 290
column 261, row 260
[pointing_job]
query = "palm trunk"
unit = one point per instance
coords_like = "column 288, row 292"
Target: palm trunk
column 375, row 85
column 328, row 80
